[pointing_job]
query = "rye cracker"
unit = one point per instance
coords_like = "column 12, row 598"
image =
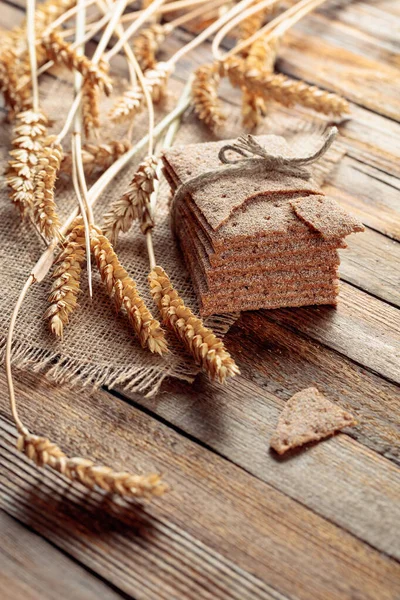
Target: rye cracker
column 308, row 417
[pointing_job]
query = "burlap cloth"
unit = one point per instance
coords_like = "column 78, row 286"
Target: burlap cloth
column 99, row 348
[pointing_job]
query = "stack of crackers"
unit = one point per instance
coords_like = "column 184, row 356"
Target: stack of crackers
column 256, row 240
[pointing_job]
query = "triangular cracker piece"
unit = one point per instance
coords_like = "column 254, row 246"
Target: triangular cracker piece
column 307, row 417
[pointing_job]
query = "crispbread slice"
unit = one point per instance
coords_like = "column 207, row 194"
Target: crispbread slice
column 325, row 216
column 308, row 417
column 314, row 298
column 185, row 162
column 251, row 263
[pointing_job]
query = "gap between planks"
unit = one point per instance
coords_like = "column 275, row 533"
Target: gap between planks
column 244, row 519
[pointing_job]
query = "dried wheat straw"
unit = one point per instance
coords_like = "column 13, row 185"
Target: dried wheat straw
column 61, row 51
column 134, row 204
column 97, row 158
column 44, row 452
column 67, row 274
column 280, row 88
column 205, row 96
column 208, row 351
column 123, row 289
column 132, row 101
column 147, row 44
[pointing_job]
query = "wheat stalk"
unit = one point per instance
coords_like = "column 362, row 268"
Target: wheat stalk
column 205, row 96
column 134, row 204
column 61, row 51
column 132, row 101
column 124, row 291
column 97, row 158
column 208, row 351
column 66, row 287
column 44, row 452
column 282, row 89
column 147, row 43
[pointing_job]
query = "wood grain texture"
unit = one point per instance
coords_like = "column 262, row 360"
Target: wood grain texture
column 219, row 532
column 276, row 364
column 359, row 327
column 30, row 568
column 372, row 263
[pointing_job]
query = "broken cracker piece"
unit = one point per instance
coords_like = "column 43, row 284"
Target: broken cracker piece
column 308, row 417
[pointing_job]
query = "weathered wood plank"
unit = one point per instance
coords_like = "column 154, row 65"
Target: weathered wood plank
column 30, row 568
column 313, row 53
column 218, row 533
column 283, row 362
column 368, row 192
column 360, row 327
column 372, row 262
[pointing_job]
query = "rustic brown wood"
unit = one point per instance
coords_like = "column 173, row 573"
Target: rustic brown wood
column 372, row 262
column 240, row 523
column 31, row 568
column 276, row 364
column 213, row 509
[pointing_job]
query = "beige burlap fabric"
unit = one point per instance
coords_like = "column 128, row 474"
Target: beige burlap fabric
column 98, row 348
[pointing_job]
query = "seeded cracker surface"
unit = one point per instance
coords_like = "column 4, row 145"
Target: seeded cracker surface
column 308, row 417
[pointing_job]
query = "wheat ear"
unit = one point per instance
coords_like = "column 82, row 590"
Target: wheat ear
column 27, row 144
column 208, row 351
column 97, row 158
column 123, row 289
column 146, row 44
column 282, row 89
column 260, row 55
column 205, row 96
column 61, row 51
column 44, row 206
column 134, row 204
column 90, row 108
column 67, row 275
column 132, row 101
column 44, row 452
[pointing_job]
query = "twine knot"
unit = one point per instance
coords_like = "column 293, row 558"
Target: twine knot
column 257, row 158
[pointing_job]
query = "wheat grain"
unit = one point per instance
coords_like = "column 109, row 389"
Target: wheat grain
column 208, row 351
column 66, row 287
column 133, row 102
column 61, row 51
column 44, row 452
column 205, row 96
column 123, row 289
column 147, row 44
column 97, row 158
column 282, row 89
column 44, row 207
column 14, row 59
column 27, row 145
column 260, row 55
column 90, row 109
column 134, row 204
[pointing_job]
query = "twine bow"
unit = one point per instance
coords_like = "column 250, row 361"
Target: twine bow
column 256, row 159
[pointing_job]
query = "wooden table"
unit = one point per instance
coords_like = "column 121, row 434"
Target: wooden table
column 239, row 523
